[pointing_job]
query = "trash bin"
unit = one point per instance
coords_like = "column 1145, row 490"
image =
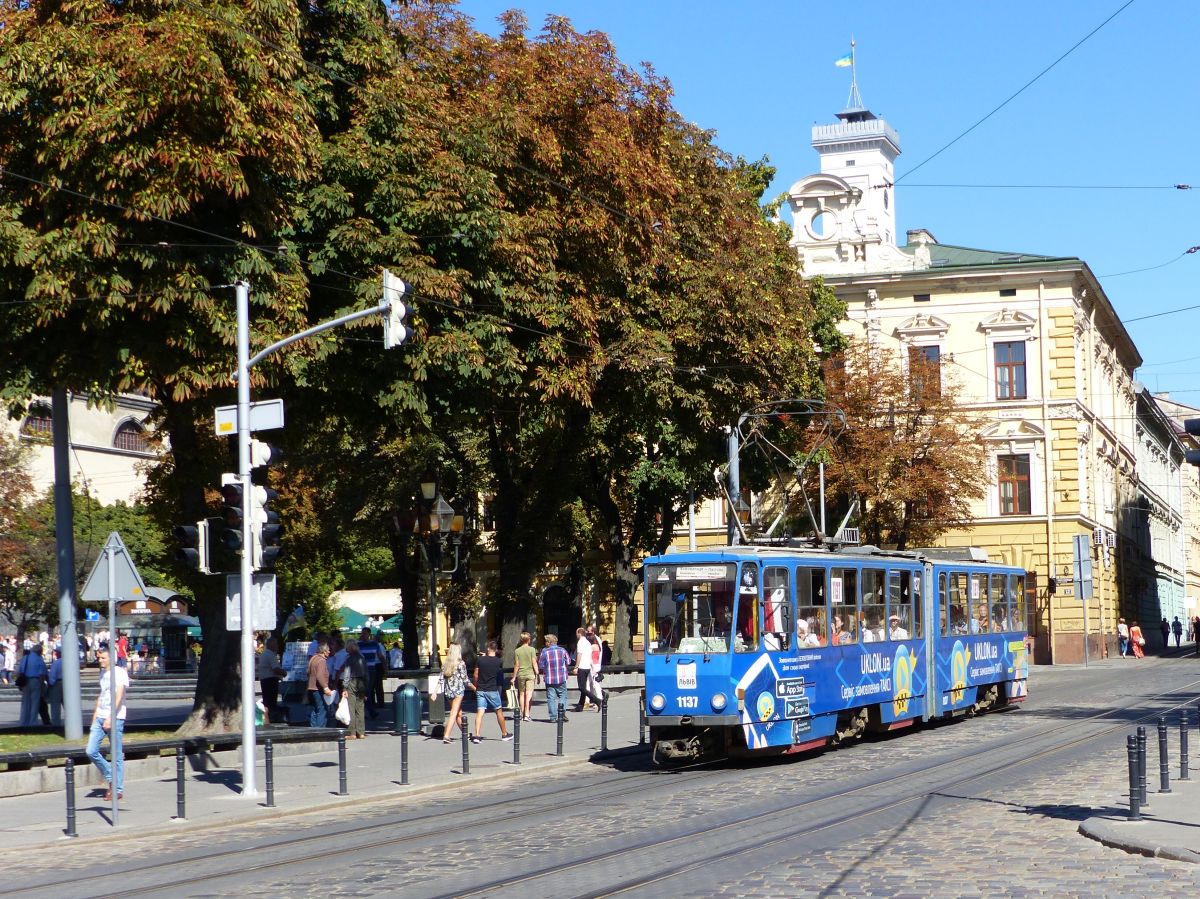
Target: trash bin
column 406, row 708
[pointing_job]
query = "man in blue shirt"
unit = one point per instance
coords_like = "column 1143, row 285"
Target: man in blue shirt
column 372, row 653
column 554, row 663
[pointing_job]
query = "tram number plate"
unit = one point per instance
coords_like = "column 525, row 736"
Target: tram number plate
column 795, row 707
column 685, row 676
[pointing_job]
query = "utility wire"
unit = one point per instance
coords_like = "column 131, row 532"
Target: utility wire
column 1022, row 90
column 1151, row 268
column 1053, row 186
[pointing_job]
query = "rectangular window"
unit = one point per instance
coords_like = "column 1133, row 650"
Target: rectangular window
column 843, row 606
column 874, row 606
column 810, row 611
column 1010, row 370
column 777, row 609
column 957, row 603
column 689, row 608
column 920, row 298
column 999, row 595
column 901, row 625
column 1013, row 477
column 1008, row 291
column 925, row 371
column 745, row 634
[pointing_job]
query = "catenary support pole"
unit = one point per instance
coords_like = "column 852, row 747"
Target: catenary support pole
column 64, row 539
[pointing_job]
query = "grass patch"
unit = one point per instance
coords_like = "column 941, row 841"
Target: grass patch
column 25, row 742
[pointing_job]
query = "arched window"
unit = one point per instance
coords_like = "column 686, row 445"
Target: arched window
column 130, row 436
column 37, row 424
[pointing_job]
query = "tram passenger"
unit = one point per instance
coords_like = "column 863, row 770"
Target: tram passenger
column 958, row 621
column 999, row 617
column 895, row 630
column 979, row 625
column 843, row 631
column 873, row 632
column 806, row 639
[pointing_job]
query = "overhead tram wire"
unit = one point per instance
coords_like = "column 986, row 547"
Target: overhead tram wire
column 1022, row 90
column 1189, row 251
column 1051, row 186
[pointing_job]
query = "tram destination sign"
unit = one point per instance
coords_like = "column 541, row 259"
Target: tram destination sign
column 699, row 572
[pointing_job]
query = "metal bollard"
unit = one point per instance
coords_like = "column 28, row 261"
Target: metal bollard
column 642, row 719
column 1183, row 745
column 517, row 736
column 604, row 723
column 269, row 763
column 1164, row 763
column 1141, row 751
column 403, row 753
column 465, row 730
column 70, row 772
column 180, row 795
column 1135, row 787
column 562, row 717
column 342, row 790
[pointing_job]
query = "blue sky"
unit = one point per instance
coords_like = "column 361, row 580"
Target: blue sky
column 1120, row 110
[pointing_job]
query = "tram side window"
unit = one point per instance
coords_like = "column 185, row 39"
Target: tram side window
column 999, row 597
column 1017, row 602
column 979, row 604
column 944, row 606
column 843, row 606
column 810, row 611
column 874, row 606
column 777, row 609
column 900, row 616
column 958, row 603
column 917, row 609
column 745, row 636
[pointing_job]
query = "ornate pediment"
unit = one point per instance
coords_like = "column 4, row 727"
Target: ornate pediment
column 1012, row 429
column 1009, row 320
column 922, row 326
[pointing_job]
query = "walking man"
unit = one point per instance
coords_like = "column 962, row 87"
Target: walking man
column 553, row 662
column 1177, row 630
column 106, row 721
column 372, row 653
column 318, row 685
column 489, row 673
column 33, row 669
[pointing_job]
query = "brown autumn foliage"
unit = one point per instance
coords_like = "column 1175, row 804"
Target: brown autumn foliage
column 911, row 451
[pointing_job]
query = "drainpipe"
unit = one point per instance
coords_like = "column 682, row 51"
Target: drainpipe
column 1047, row 440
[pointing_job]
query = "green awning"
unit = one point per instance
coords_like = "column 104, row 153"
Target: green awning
column 351, row 620
column 392, row 625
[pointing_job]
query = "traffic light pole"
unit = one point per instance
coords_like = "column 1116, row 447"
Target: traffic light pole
column 244, row 363
column 249, row 769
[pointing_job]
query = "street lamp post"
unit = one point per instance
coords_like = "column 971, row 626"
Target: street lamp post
column 442, row 526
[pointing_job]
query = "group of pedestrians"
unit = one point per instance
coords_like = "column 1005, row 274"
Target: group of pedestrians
column 350, row 669
column 1132, row 641
column 551, row 666
column 41, row 687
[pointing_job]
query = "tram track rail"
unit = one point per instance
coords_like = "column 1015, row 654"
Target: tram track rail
column 308, row 847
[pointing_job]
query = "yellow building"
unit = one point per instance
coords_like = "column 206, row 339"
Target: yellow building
column 1037, row 347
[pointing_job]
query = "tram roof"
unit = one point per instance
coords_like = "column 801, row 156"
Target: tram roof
column 967, row 554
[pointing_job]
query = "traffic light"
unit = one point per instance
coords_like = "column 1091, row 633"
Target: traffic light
column 231, row 514
column 1192, row 426
column 263, row 454
column 395, row 331
column 265, row 529
column 193, row 546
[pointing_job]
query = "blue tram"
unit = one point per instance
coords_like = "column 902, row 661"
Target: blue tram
column 764, row 649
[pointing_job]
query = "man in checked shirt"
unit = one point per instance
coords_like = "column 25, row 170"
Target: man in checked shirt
column 553, row 662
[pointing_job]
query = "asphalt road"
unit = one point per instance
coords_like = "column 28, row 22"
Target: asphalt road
column 982, row 807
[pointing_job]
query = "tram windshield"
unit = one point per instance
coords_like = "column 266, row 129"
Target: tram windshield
column 690, row 607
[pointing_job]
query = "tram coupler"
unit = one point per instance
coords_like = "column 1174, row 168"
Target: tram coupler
column 1164, row 763
column 1135, row 787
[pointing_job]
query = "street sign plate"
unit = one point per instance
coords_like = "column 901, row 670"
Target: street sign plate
column 265, row 415
column 262, row 602
column 127, row 583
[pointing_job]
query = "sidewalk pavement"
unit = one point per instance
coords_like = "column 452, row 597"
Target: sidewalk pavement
column 309, row 782
column 1170, row 825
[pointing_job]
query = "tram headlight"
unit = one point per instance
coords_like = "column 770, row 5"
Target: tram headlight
column 718, row 702
column 658, row 702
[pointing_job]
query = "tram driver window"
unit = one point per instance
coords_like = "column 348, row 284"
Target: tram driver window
column 777, row 609
column 810, row 608
column 843, row 606
column 874, row 608
column 745, row 637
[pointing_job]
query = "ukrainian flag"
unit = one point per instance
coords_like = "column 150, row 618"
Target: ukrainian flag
column 844, row 62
